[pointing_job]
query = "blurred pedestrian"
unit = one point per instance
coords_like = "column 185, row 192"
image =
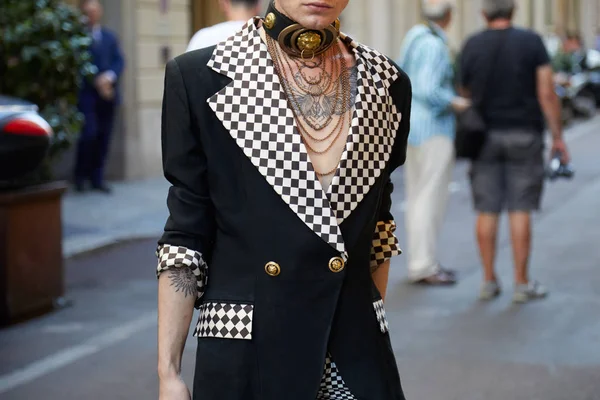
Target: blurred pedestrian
column 98, row 101
column 571, row 58
column 507, row 71
column 425, row 57
column 237, row 13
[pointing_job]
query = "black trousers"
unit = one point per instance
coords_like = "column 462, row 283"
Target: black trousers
column 94, row 141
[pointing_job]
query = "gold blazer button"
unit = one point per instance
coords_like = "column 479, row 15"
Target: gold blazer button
column 272, row 268
column 336, row 264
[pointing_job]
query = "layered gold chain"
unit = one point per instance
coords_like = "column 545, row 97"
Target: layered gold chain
column 330, row 73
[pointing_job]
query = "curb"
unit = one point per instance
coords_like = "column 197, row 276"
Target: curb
column 78, row 246
column 81, row 245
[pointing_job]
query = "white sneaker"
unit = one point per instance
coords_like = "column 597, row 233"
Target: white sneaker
column 489, row 290
column 526, row 292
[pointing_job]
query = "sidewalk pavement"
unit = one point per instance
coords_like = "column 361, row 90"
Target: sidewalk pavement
column 449, row 346
column 137, row 209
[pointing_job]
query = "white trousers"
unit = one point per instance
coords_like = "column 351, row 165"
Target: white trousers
column 428, row 170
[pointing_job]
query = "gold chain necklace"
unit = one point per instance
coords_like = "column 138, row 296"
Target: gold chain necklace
column 313, row 87
column 278, row 68
column 326, row 123
column 336, row 131
column 343, row 93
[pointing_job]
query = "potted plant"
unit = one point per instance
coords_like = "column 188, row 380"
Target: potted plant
column 43, row 59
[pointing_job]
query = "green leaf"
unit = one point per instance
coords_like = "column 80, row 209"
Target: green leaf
column 44, row 57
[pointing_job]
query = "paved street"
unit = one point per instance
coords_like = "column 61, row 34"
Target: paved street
column 448, row 345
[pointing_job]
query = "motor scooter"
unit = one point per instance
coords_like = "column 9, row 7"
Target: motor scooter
column 593, row 66
column 576, row 93
column 24, row 139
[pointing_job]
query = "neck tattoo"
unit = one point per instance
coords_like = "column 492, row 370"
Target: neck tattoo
column 319, row 90
column 319, row 85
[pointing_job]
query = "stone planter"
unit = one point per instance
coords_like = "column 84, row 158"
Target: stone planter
column 31, row 261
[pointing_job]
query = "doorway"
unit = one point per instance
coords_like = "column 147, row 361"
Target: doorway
column 205, row 13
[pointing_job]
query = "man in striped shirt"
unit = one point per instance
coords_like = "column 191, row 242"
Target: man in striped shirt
column 425, row 57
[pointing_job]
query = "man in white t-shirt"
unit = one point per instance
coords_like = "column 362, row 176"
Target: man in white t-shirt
column 238, row 12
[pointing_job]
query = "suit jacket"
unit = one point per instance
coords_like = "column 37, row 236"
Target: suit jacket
column 283, row 267
column 106, row 56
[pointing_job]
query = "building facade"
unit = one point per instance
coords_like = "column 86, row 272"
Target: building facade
column 152, row 31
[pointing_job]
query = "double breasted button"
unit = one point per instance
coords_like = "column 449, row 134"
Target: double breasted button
column 336, row 264
column 272, row 268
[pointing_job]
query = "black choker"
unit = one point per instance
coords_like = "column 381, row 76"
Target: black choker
column 296, row 40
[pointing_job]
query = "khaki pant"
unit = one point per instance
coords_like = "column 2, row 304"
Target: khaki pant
column 428, row 171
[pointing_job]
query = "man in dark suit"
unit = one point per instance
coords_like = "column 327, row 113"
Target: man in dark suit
column 98, row 100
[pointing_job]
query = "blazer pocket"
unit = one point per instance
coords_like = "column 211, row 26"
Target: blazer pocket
column 381, row 317
column 225, row 320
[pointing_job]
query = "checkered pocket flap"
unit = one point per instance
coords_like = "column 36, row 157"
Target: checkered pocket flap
column 381, row 317
column 225, row 320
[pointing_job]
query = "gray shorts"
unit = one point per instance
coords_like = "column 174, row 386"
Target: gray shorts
column 509, row 173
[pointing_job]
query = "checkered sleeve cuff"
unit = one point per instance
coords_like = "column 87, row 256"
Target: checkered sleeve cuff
column 385, row 243
column 170, row 257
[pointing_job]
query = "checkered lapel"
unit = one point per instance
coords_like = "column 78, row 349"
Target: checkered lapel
column 254, row 109
column 374, row 125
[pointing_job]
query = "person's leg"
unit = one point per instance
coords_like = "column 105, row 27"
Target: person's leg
column 428, row 209
column 85, row 148
column 487, row 188
column 487, row 231
column 105, row 112
column 412, row 171
column 439, row 156
column 520, row 235
column 525, row 179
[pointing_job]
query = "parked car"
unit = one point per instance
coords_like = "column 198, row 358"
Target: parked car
column 24, row 138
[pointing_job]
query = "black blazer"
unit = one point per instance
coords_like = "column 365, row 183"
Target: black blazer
column 282, row 266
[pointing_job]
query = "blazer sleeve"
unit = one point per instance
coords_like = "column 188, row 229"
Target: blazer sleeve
column 385, row 243
column 117, row 61
column 189, row 230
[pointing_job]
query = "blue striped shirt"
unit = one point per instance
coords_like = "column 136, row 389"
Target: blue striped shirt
column 429, row 66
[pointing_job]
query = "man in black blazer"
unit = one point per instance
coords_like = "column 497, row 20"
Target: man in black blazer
column 279, row 144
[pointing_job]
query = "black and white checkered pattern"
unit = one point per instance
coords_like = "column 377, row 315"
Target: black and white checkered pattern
column 385, row 243
column 254, row 109
column 332, row 385
column 381, row 317
column 225, row 320
column 177, row 257
column 374, row 126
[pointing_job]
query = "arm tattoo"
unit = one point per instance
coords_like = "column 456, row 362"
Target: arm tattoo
column 184, row 280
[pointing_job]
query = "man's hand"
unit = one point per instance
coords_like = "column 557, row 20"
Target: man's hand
column 559, row 145
column 105, row 85
column 173, row 388
column 460, row 104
